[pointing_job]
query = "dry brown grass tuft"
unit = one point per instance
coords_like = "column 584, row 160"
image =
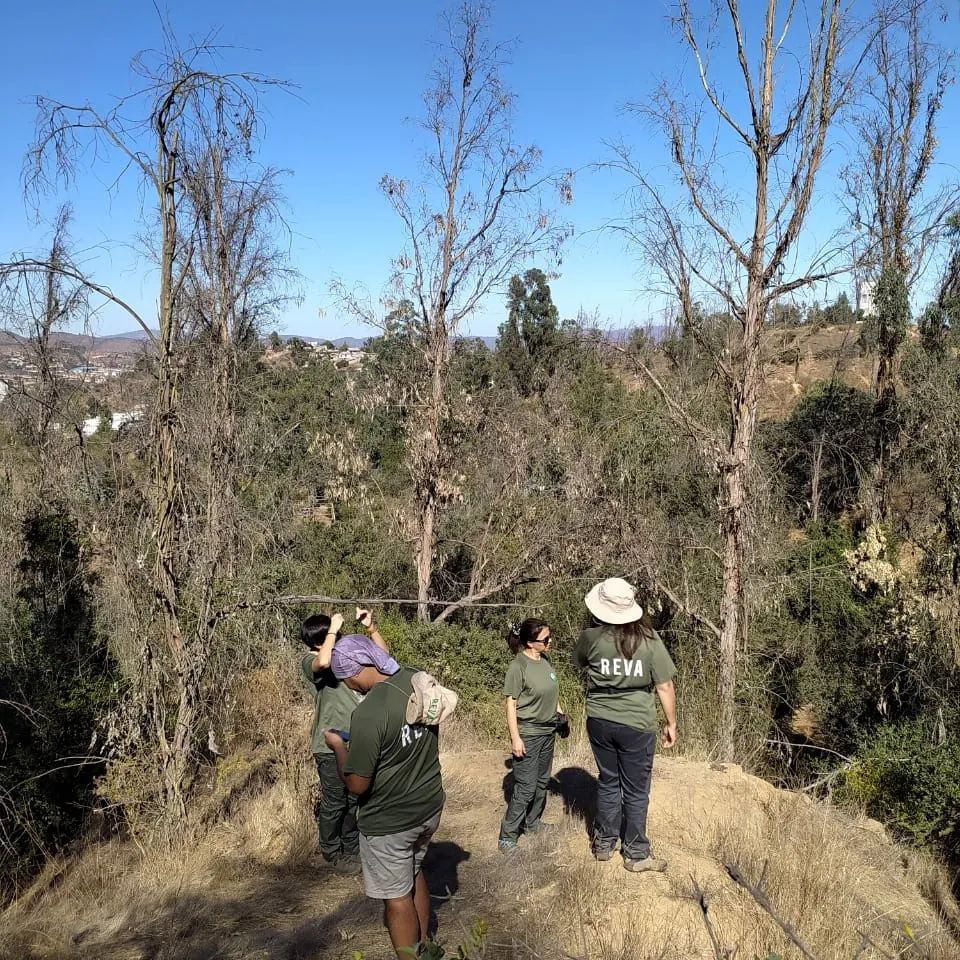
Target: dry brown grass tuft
column 835, row 880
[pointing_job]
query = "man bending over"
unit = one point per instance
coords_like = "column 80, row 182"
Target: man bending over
column 394, row 769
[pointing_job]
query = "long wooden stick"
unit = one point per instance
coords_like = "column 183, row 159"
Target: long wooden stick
column 764, row 902
column 298, row 600
column 719, row 952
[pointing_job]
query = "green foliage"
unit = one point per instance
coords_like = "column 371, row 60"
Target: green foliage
column 892, row 301
column 529, row 340
column 471, row 948
column 824, row 448
column 910, row 780
column 930, row 409
column 934, row 327
column 785, row 315
column 823, row 649
column 56, row 682
column 838, row 313
column 345, row 559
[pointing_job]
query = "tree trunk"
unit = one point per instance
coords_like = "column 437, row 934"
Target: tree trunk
column 884, row 411
column 426, row 516
column 174, row 749
column 730, row 603
column 428, row 482
column 733, row 507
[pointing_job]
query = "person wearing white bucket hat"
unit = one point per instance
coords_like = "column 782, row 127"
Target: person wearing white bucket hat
column 626, row 665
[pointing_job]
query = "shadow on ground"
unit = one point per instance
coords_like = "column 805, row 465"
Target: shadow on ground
column 252, row 910
column 257, row 911
column 578, row 789
column 441, row 867
column 574, row 785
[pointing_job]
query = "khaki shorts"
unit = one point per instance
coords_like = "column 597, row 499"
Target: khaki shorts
column 391, row 863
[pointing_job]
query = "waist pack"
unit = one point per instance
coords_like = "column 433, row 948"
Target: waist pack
column 430, row 703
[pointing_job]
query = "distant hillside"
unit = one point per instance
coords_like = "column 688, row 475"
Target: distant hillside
column 354, row 342
column 131, row 342
column 138, row 334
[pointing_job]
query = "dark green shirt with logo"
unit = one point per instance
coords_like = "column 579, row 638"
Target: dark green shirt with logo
column 621, row 689
column 533, row 684
column 401, row 759
column 333, row 703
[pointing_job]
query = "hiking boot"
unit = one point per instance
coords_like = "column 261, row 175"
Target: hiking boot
column 507, row 847
column 646, row 865
column 347, row 866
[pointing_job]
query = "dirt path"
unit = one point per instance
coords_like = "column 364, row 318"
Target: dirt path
column 832, row 876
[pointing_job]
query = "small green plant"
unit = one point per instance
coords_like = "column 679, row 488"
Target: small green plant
column 472, row 948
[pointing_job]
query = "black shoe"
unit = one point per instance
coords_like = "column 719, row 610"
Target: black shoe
column 348, row 866
column 605, row 853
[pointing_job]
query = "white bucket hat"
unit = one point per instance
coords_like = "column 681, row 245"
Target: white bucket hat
column 614, row 601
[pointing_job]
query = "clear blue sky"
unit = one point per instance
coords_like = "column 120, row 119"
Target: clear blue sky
column 360, row 69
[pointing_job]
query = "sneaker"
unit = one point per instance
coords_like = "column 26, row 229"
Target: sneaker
column 347, row 866
column 508, row 847
column 646, row 865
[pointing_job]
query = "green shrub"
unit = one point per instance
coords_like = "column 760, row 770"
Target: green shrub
column 56, row 682
column 824, row 448
column 912, row 784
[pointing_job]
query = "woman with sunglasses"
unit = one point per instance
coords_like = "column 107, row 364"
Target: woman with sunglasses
column 533, row 709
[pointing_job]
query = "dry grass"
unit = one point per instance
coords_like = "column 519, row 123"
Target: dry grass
column 831, row 877
column 249, row 888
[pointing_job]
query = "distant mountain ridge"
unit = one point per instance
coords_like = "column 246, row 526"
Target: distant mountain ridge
column 87, row 342
column 131, row 340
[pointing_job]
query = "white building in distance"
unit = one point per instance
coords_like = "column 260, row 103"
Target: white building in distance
column 866, row 292
column 90, row 426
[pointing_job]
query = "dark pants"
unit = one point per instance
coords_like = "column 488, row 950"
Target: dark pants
column 531, row 774
column 336, row 812
column 625, row 760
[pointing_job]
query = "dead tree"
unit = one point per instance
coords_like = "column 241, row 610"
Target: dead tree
column 781, row 144
column 35, row 304
column 892, row 206
column 170, row 134
column 471, row 222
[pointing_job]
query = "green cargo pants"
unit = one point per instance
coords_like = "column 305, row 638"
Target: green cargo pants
column 531, row 774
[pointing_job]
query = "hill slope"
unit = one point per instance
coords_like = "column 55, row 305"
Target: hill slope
column 251, row 889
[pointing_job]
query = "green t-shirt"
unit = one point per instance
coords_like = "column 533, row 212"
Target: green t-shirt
column 619, row 689
column 333, row 703
column 533, row 684
column 401, row 759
